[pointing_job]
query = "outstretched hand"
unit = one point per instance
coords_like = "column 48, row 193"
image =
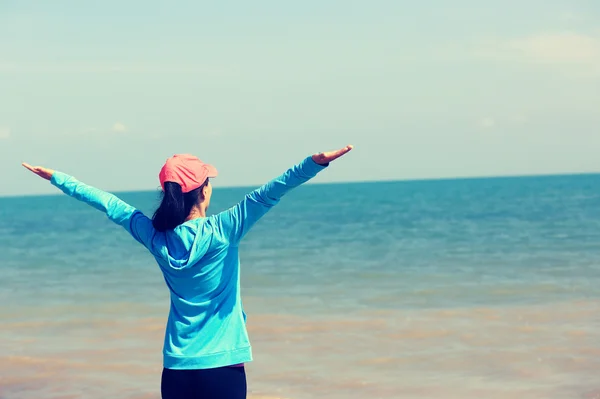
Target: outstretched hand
column 323, row 158
column 44, row 173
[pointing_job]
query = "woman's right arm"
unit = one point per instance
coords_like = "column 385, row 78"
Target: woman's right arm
column 238, row 220
column 118, row 211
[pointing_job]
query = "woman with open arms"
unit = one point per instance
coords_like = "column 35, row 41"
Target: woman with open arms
column 206, row 342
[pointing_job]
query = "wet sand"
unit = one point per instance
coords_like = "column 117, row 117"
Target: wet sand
column 550, row 351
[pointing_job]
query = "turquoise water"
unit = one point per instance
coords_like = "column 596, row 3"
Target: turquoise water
column 426, row 289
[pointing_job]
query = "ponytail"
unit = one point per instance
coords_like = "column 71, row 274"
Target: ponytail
column 175, row 206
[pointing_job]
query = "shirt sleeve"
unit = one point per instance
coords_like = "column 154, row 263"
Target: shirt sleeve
column 118, row 211
column 238, row 220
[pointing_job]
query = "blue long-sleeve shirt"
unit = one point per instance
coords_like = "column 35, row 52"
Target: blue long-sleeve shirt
column 200, row 263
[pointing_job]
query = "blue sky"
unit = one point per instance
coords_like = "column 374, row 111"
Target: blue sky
column 108, row 90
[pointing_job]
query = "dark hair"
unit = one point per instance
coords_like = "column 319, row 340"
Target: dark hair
column 175, row 206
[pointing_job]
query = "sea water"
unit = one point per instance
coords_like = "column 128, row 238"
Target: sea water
column 474, row 288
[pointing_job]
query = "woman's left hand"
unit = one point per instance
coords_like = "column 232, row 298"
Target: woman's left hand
column 324, row 158
column 44, row 173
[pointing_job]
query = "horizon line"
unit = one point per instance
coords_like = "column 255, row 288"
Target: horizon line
column 402, row 180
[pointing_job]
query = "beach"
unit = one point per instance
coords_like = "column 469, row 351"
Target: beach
column 442, row 289
column 522, row 351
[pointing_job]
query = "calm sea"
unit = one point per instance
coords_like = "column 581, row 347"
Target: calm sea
column 480, row 288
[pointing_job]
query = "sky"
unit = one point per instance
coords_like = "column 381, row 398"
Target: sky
column 106, row 91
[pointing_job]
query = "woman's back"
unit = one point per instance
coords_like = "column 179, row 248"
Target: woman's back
column 206, row 325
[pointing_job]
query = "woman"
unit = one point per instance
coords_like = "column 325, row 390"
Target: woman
column 206, row 343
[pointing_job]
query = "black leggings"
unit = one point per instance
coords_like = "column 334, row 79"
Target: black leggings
column 219, row 383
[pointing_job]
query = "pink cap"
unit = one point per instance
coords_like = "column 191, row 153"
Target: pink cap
column 186, row 170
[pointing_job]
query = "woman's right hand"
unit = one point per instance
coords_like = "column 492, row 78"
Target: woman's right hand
column 323, row 158
column 44, row 173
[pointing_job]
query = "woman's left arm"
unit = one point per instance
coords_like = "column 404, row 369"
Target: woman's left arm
column 117, row 210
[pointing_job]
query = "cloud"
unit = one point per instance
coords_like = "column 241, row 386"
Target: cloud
column 551, row 48
column 487, row 123
column 561, row 47
column 4, row 132
column 118, row 127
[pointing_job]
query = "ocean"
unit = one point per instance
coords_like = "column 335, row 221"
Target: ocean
column 473, row 288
